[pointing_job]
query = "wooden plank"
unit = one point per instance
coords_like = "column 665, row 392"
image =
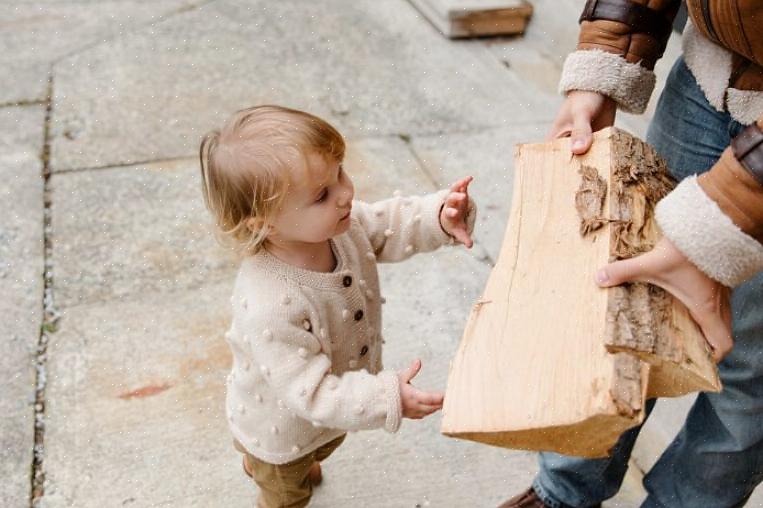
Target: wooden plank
column 535, row 369
column 470, row 18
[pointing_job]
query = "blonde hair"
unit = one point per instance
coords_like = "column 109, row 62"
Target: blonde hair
column 247, row 167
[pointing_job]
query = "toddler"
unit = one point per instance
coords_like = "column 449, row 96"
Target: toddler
column 306, row 329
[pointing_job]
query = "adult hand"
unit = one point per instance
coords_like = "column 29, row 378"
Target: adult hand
column 581, row 114
column 665, row 266
column 455, row 211
column 417, row 403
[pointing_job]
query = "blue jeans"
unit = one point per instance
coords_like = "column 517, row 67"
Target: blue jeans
column 716, row 460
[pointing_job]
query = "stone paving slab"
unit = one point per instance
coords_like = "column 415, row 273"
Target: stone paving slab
column 37, row 33
column 21, row 291
column 152, row 94
column 123, row 231
column 489, row 157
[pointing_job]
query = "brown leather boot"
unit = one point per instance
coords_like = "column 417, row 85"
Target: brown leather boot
column 315, row 474
column 527, row 499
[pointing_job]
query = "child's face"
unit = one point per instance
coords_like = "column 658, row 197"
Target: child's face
column 317, row 205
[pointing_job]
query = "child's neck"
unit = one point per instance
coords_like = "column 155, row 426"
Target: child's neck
column 318, row 257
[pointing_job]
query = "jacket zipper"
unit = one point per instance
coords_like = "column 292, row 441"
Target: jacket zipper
column 705, row 4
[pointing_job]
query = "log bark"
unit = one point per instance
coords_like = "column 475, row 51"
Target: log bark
column 549, row 361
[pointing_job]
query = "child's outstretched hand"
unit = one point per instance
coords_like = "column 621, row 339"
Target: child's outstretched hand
column 417, row 403
column 454, row 212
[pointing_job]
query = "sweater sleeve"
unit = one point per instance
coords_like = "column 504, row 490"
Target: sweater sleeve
column 400, row 227
column 290, row 358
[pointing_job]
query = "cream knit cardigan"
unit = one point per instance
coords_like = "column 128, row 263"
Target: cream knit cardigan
column 307, row 362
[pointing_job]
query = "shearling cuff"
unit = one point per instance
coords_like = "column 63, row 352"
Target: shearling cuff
column 391, row 385
column 594, row 70
column 706, row 236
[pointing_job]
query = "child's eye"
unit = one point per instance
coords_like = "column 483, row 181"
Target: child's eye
column 322, row 196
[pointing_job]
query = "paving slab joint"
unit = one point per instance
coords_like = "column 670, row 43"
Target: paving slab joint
column 16, row 104
column 478, row 251
column 50, row 314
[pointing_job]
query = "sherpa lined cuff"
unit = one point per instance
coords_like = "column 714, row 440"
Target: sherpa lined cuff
column 706, row 236
column 594, row 70
column 391, row 385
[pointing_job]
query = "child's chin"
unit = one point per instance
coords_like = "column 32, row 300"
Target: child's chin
column 342, row 227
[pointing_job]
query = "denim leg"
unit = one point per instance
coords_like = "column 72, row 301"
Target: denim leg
column 575, row 482
column 690, row 135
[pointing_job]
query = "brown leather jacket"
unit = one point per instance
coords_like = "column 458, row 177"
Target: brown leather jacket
column 638, row 31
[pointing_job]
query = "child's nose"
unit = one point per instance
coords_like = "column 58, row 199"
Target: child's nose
column 344, row 198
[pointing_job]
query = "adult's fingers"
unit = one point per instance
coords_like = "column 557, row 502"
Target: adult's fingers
column 635, row 269
column 582, row 133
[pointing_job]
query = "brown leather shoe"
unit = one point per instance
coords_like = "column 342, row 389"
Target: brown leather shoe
column 315, row 474
column 527, row 499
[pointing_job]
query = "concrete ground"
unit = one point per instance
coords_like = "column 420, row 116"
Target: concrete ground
column 114, row 295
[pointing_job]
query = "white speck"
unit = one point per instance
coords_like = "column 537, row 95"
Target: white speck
column 397, row 193
column 241, row 409
column 281, row 404
column 244, row 303
column 370, row 256
column 362, row 282
column 408, row 249
column 255, row 442
column 323, row 333
column 227, row 335
column 359, row 410
column 267, row 334
column 316, row 423
column 265, row 371
column 417, row 218
column 286, row 300
column 370, row 294
column 345, row 314
column 388, row 233
column 303, row 392
column 295, row 449
column 258, row 397
column 302, row 352
column 306, row 324
column 274, row 430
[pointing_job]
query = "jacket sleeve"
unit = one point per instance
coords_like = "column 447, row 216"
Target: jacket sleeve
column 290, row 359
column 400, row 227
column 716, row 220
column 619, row 43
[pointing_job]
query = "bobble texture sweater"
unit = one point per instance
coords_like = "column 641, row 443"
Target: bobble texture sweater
column 307, row 363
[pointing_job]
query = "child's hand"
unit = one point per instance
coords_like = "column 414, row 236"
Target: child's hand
column 417, row 403
column 454, row 212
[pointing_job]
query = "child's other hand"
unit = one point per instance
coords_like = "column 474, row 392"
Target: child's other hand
column 417, row 403
column 455, row 210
